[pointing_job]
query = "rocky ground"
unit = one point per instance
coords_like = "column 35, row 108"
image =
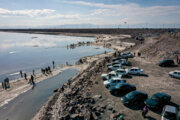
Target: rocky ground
column 85, row 96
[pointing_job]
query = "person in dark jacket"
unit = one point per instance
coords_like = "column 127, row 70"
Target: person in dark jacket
column 21, row 73
column 25, row 76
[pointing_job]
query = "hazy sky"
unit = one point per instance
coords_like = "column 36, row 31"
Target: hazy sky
column 98, row 12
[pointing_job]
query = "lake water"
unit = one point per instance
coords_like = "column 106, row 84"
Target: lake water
column 21, row 51
column 25, row 106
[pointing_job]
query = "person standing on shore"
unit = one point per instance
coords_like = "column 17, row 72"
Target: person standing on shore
column 7, row 82
column 25, row 76
column 32, row 81
column 3, row 85
column 33, row 71
column 21, row 73
column 53, row 64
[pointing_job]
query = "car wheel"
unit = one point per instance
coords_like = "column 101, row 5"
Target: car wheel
column 107, row 86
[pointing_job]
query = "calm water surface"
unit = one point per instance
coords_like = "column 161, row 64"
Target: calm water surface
column 21, row 51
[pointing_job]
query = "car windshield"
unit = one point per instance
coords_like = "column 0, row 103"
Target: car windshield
column 110, row 80
column 155, row 98
column 170, row 116
column 130, row 95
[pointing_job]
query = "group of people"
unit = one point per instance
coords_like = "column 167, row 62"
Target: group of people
column 31, row 79
column 5, row 84
column 46, row 70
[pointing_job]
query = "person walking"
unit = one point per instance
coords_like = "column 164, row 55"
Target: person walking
column 32, row 81
column 21, row 73
column 25, row 76
column 145, row 111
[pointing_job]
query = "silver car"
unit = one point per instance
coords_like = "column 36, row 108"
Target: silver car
column 169, row 113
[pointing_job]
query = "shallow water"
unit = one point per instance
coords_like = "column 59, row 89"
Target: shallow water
column 22, row 51
column 25, row 106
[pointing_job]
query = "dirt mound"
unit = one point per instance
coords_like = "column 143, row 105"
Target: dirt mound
column 165, row 46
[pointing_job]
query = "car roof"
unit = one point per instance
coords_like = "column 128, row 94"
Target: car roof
column 176, row 71
column 116, row 78
column 139, row 92
column 112, row 72
column 122, row 84
column 170, row 108
column 166, row 60
column 120, row 69
column 161, row 94
column 135, row 68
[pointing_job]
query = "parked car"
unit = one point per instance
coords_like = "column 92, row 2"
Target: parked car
column 134, row 97
column 117, row 59
column 169, row 113
column 113, row 63
column 123, row 73
column 158, row 100
column 124, row 62
column 122, row 88
column 110, row 75
column 114, row 67
column 175, row 74
column 135, row 71
column 166, row 63
column 113, row 82
column 127, row 55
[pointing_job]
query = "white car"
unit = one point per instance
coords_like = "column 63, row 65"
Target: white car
column 175, row 74
column 113, row 63
column 127, row 55
column 122, row 71
column 113, row 82
column 110, row 75
column 169, row 113
column 135, row 71
column 114, row 67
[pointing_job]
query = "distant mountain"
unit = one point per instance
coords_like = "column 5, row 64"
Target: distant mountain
column 142, row 25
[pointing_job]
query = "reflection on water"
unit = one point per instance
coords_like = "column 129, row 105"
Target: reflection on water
column 25, row 106
column 20, row 51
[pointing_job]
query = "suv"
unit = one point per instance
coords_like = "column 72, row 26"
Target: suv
column 169, row 113
column 166, row 63
column 134, row 97
column 175, row 74
column 158, row 100
column 122, row 88
column 135, row 71
column 113, row 82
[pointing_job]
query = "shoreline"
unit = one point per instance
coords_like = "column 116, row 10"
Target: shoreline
column 20, row 86
column 94, row 62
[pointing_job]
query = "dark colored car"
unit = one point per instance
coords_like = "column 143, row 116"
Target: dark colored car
column 117, row 59
column 134, row 98
column 166, row 63
column 158, row 100
column 122, row 88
